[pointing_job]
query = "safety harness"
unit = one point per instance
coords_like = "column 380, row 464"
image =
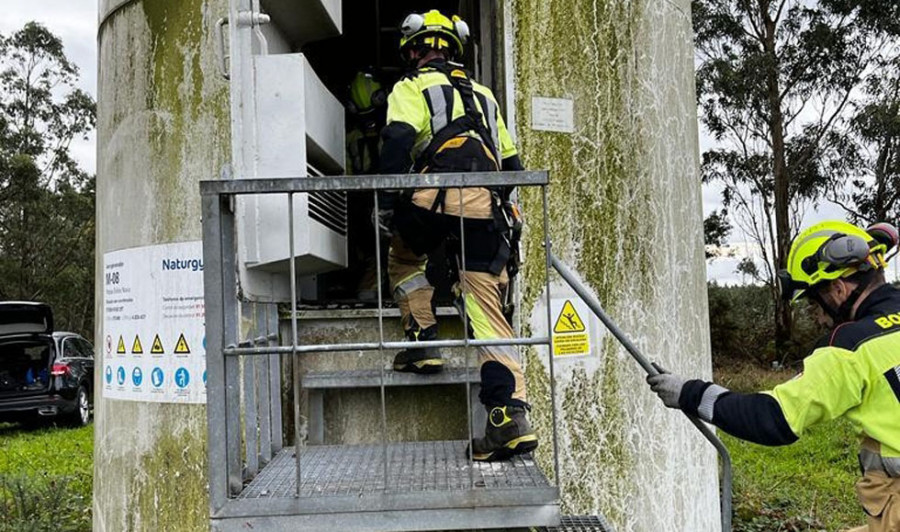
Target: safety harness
column 454, row 149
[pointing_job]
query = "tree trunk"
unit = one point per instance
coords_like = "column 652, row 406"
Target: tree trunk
column 783, row 321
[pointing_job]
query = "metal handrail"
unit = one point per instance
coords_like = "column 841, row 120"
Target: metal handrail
column 285, row 185
column 591, row 301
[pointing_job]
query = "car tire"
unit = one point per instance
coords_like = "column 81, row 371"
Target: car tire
column 81, row 416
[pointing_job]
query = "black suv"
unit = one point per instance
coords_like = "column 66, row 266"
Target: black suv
column 43, row 373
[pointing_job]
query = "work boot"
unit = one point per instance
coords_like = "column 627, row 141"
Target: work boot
column 508, row 433
column 423, row 360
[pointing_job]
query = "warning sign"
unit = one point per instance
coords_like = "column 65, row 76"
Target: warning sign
column 571, row 336
column 181, row 348
column 121, row 348
column 568, row 320
column 157, row 348
column 136, row 347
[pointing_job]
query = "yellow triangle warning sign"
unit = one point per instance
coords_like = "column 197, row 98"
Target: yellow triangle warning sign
column 136, row 347
column 157, row 348
column 568, row 320
column 181, row 348
column 121, row 347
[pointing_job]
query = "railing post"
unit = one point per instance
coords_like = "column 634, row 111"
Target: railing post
column 263, row 401
column 295, row 358
column 214, row 291
column 381, row 341
column 547, row 255
column 274, row 378
column 230, row 336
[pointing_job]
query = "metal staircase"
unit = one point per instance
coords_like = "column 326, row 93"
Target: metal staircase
column 382, row 484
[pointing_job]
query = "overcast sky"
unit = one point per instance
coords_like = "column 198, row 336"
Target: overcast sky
column 75, row 21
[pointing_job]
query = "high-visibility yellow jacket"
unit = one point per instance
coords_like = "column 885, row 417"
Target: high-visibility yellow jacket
column 420, row 105
column 427, row 102
column 853, row 372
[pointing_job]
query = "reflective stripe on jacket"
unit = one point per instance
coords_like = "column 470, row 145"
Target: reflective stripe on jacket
column 428, row 102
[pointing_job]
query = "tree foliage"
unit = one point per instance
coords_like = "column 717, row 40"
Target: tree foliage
column 774, row 81
column 870, row 158
column 46, row 199
column 716, row 229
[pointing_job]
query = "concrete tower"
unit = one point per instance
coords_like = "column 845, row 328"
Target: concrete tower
column 599, row 92
column 163, row 125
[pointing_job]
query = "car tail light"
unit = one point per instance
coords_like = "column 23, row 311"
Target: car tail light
column 58, row 370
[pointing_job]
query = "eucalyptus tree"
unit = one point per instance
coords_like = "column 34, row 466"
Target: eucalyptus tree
column 774, row 82
column 46, row 199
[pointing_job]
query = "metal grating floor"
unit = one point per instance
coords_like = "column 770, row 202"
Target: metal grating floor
column 581, row 523
column 334, row 470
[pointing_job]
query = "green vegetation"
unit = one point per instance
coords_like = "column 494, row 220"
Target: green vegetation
column 742, row 328
column 45, row 479
column 804, row 486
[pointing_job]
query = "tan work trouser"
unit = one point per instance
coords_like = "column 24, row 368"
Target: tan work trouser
column 879, row 495
column 413, row 292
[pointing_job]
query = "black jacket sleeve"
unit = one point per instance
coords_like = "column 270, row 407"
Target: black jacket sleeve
column 398, row 139
column 754, row 417
column 512, row 164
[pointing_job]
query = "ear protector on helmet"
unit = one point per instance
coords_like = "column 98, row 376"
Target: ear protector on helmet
column 461, row 28
column 411, row 24
column 839, row 251
column 887, row 234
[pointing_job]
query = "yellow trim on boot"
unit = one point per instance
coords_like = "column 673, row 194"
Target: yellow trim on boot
column 512, row 444
column 428, row 362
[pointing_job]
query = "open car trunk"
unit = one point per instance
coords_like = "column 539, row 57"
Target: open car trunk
column 25, row 365
column 26, row 348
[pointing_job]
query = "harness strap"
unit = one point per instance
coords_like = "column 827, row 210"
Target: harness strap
column 472, row 120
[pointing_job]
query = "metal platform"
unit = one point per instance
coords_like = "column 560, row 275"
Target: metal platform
column 318, row 380
column 581, row 523
column 428, row 488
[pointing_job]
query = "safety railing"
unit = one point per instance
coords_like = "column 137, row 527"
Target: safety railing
column 227, row 457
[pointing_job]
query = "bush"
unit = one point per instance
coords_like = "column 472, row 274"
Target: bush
column 45, row 479
column 742, row 326
column 29, row 503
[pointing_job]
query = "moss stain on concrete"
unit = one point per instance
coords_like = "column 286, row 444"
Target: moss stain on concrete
column 187, row 91
column 170, row 490
column 597, row 198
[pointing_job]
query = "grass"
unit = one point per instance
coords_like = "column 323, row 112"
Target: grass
column 804, row 486
column 45, row 478
column 46, row 474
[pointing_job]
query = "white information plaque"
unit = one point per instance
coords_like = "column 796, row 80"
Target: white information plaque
column 553, row 114
column 154, row 342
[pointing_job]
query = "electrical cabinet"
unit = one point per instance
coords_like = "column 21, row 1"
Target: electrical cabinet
column 300, row 131
column 285, row 123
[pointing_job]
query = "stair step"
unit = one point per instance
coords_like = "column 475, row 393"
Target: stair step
column 429, row 487
column 371, row 378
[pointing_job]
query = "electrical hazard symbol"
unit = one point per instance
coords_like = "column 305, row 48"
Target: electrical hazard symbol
column 136, row 347
column 120, row 349
column 157, row 348
column 568, row 320
column 181, row 348
column 570, row 332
